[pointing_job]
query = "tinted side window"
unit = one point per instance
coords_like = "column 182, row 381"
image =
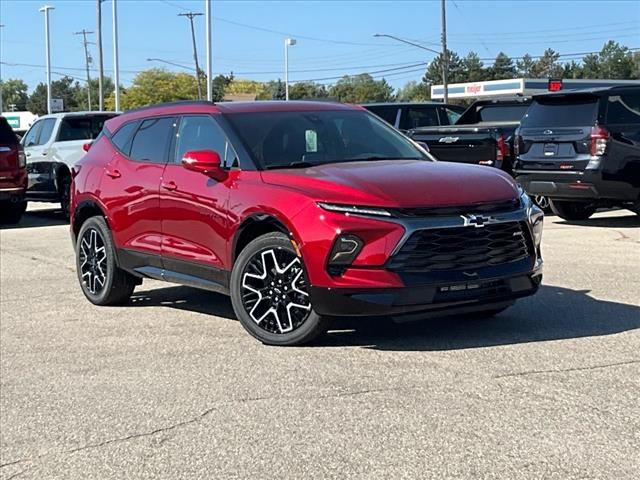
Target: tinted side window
column 388, row 114
column 624, row 109
column 7, row 137
column 123, row 136
column 31, row 138
column 151, row 141
column 81, row 128
column 416, row 117
column 47, row 130
column 199, row 133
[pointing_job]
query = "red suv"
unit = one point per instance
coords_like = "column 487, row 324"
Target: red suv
column 13, row 175
column 300, row 211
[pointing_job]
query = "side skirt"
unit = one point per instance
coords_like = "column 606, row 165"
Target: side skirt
column 146, row 265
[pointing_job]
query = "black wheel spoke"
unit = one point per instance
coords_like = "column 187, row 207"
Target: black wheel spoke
column 93, row 261
column 274, row 292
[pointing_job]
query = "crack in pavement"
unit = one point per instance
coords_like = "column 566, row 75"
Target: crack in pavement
column 625, row 237
column 563, row 370
column 193, row 420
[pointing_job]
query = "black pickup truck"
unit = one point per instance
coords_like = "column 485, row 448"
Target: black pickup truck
column 483, row 134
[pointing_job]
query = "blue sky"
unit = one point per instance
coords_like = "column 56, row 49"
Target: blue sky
column 334, row 37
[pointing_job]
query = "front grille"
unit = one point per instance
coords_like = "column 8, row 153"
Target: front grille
column 462, row 248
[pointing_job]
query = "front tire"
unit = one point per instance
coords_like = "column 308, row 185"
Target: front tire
column 101, row 280
column 572, row 210
column 269, row 293
column 11, row 212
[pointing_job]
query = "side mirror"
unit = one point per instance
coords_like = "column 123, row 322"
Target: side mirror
column 206, row 162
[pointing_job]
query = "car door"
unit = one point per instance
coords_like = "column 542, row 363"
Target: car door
column 130, row 189
column 37, row 143
column 193, row 205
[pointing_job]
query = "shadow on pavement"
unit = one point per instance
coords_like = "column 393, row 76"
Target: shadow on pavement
column 185, row 298
column 628, row 221
column 39, row 218
column 554, row 313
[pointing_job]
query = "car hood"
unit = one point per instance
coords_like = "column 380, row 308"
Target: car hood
column 398, row 183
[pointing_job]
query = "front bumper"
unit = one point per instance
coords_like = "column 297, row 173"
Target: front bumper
column 426, row 300
column 585, row 185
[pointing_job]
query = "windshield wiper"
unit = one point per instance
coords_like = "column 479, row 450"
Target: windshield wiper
column 291, row 165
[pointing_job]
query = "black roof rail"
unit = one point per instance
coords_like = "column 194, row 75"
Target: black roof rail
column 170, row 104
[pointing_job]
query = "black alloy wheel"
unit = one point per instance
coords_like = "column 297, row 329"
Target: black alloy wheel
column 269, row 292
column 101, row 280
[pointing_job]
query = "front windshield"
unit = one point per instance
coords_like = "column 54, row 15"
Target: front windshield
column 308, row 138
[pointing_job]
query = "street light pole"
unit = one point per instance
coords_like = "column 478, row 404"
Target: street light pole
column 445, row 52
column 207, row 12
column 46, row 9
column 116, row 67
column 287, row 43
column 100, row 59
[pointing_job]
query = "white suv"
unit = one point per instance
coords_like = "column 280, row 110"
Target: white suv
column 52, row 146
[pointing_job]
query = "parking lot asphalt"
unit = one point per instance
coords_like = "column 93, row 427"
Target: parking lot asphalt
column 171, row 386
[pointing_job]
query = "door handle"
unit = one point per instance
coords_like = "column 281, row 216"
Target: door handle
column 171, row 186
column 113, row 173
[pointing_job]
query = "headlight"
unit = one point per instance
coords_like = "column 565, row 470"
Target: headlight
column 380, row 212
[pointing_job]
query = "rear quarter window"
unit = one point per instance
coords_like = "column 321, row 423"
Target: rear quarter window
column 123, row 136
column 623, row 109
column 7, row 136
column 570, row 111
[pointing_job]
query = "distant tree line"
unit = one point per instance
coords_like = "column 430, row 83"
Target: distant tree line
column 614, row 61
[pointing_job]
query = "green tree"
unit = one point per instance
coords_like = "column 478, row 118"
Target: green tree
column 80, row 94
column 572, row 70
column 65, row 88
column 473, row 67
column 307, row 90
column 591, row 66
column 502, row 68
column 14, row 94
column 414, row 92
column 615, row 61
column 547, row 66
column 156, row 85
column 238, row 86
column 273, row 90
column 455, row 72
column 360, row 89
column 525, row 66
column 219, row 86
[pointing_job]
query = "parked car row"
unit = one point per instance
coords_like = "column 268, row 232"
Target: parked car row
column 572, row 151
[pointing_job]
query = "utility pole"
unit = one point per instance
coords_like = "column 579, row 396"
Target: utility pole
column 116, row 67
column 45, row 9
column 87, row 62
column 100, row 61
column 207, row 11
column 445, row 54
column 190, row 16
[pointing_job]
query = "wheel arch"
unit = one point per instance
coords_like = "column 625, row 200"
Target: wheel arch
column 254, row 226
column 83, row 211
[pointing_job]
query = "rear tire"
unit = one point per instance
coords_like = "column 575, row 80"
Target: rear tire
column 64, row 185
column 101, row 280
column 269, row 293
column 11, row 212
column 572, row 210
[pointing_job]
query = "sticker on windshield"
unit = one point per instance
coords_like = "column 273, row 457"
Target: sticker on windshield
column 311, row 139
